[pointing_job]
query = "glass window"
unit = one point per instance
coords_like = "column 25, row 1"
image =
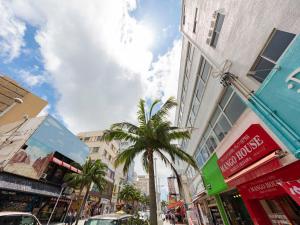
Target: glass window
column 99, row 138
column 225, row 97
column 195, row 20
column 95, row 149
column 204, row 153
column 266, row 61
column 277, row 45
column 234, row 108
column 18, row 220
column 217, row 29
column 211, row 143
column 206, row 70
column 199, row 89
column 262, row 69
column 222, row 127
column 86, row 138
column 215, row 116
column 199, row 160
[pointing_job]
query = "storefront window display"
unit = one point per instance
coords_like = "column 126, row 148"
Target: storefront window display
column 235, row 208
column 282, row 210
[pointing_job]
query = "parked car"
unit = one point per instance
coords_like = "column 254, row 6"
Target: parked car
column 18, row 218
column 109, row 219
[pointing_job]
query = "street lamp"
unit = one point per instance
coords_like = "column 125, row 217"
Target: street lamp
column 60, row 194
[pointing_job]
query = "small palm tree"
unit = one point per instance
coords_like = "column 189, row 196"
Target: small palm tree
column 92, row 171
column 128, row 194
column 154, row 134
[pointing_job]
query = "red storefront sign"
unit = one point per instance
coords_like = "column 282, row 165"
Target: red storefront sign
column 268, row 185
column 251, row 146
column 293, row 189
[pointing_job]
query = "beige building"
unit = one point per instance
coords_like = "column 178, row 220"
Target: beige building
column 107, row 152
column 142, row 183
column 15, row 102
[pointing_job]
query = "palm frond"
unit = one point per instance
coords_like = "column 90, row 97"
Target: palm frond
column 141, row 113
column 154, row 103
column 164, row 110
column 131, row 128
column 119, row 135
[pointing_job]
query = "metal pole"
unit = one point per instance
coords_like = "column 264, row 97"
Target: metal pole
column 68, row 208
column 61, row 191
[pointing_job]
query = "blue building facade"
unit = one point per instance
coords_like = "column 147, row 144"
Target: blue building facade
column 277, row 101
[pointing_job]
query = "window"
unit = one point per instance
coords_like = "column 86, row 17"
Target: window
column 105, row 153
column 202, row 76
column 225, row 115
column 86, row 139
column 183, row 14
column 95, row 149
column 266, row 61
column 185, row 80
column 195, row 20
column 18, row 220
column 109, row 157
column 234, row 108
column 217, row 29
column 98, row 138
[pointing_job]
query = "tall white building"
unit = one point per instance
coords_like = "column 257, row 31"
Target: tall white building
column 221, row 39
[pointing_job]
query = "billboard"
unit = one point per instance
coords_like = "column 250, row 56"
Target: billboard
column 49, row 137
column 14, row 135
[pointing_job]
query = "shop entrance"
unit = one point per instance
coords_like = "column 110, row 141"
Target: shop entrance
column 282, row 210
column 235, row 208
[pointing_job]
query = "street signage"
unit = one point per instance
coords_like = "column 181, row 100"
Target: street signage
column 293, row 189
column 251, row 146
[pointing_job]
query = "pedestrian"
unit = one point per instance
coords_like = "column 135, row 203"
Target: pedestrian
column 73, row 218
column 68, row 218
column 173, row 218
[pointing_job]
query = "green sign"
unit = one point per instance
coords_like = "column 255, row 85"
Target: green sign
column 212, row 176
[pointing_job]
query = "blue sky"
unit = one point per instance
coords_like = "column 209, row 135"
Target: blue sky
column 92, row 61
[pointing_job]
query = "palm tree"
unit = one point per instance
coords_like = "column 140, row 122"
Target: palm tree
column 153, row 134
column 92, row 171
column 129, row 194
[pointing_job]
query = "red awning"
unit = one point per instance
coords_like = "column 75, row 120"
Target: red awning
column 175, row 204
column 64, row 164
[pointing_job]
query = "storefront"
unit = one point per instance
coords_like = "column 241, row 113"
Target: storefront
column 257, row 168
column 235, row 208
column 214, row 183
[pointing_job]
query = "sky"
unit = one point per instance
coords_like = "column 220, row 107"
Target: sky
column 93, row 60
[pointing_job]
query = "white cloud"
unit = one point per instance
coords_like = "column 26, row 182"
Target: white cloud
column 11, row 33
column 31, row 79
column 45, row 111
column 162, row 78
column 100, row 61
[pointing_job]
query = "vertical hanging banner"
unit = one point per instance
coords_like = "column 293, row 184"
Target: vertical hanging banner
column 293, row 189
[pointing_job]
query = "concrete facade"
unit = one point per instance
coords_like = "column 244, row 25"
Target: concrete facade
column 246, row 29
column 107, row 152
column 142, row 183
column 11, row 110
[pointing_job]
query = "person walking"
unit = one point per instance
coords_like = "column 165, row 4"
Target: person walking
column 173, row 218
column 68, row 219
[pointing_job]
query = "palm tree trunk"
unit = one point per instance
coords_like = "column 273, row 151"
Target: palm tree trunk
column 152, row 192
column 83, row 204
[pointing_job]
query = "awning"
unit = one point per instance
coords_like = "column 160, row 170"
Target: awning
column 175, row 205
column 293, row 189
column 266, row 165
column 64, row 164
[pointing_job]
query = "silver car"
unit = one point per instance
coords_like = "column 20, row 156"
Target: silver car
column 109, row 219
column 18, row 218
